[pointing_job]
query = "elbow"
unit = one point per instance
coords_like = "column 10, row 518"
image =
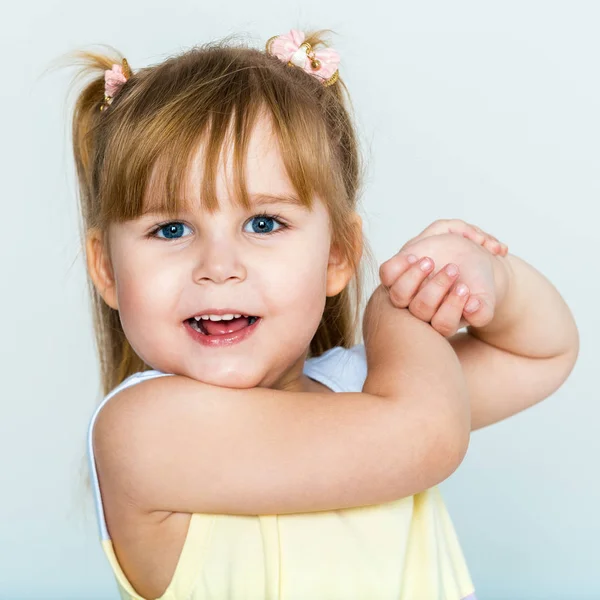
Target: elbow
column 458, row 446
column 452, row 425
column 451, row 451
column 450, row 443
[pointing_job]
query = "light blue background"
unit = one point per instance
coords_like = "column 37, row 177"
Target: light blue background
column 484, row 111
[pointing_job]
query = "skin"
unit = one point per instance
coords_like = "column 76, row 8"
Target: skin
column 224, row 260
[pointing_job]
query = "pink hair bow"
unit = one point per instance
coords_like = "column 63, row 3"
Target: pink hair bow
column 293, row 50
column 113, row 80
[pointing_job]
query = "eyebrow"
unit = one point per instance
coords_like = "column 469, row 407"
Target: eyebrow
column 260, row 199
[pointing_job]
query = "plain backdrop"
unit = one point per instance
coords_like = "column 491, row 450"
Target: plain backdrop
column 478, row 110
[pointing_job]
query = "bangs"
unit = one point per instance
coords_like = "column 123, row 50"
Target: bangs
column 155, row 142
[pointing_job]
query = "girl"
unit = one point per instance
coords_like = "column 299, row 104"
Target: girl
column 219, row 198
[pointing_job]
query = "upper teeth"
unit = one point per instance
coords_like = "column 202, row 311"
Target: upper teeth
column 218, row 317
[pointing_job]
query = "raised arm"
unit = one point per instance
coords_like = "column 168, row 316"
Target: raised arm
column 524, row 354
column 176, row 444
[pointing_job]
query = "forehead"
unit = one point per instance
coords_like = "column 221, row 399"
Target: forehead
column 248, row 171
column 263, row 169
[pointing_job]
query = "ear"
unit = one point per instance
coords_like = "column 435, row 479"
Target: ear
column 100, row 269
column 339, row 268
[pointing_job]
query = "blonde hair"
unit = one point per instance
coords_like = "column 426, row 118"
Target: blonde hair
column 147, row 136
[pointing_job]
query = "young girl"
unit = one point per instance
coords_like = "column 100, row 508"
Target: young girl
column 219, row 196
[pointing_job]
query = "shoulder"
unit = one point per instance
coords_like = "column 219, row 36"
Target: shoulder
column 125, row 390
column 138, row 408
column 124, row 403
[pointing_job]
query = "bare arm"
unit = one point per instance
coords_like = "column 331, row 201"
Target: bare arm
column 176, row 444
column 524, row 354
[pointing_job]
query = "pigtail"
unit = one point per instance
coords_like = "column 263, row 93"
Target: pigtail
column 91, row 127
column 88, row 117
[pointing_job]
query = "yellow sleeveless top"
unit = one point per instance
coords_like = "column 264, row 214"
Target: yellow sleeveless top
column 401, row 550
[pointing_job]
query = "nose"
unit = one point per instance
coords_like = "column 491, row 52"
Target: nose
column 219, row 261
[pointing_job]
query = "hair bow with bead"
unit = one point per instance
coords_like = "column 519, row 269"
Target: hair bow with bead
column 293, row 50
column 113, row 80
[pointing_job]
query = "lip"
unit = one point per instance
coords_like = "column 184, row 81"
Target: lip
column 228, row 339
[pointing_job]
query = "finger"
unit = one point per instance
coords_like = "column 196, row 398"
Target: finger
column 503, row 248
column 499, row 248
column 493, row 245
column 405, row 287
column 480, row 237
column 447, row 320
column 483, row 313
column 478, row 229
column 468, row 232
column 427, row 300
column 427, row 279
column 462, row 323
column 393, row 268
column 491, row 242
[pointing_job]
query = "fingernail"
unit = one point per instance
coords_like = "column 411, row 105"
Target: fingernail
column 425, row 264
column 472, row 305
column 461, row 290
column 411, row 258
column 452, row 270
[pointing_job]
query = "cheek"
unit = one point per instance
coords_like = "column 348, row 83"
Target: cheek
column 146, row 296
column 299, row 280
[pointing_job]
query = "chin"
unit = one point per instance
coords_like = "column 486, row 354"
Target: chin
column 235, row 380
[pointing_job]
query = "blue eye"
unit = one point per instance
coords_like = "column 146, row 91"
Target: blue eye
column 172, row 230
column 263, row 224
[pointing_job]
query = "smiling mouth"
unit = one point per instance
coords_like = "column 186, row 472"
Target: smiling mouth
column 223, row 327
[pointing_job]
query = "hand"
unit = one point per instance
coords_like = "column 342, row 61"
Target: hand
column 471, row 232
column 433, row 296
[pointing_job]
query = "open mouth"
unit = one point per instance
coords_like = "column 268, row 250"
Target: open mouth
column 222, row 327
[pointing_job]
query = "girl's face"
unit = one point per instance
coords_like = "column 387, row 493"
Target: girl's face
column 162, row 272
